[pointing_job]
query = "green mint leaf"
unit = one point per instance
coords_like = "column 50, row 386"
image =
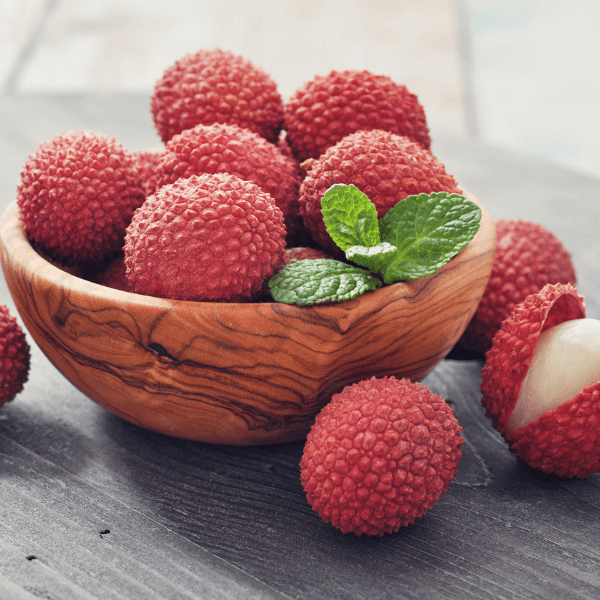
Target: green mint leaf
column 374, row 258
column 306, row 282
column 350, row 217
column 427, row 230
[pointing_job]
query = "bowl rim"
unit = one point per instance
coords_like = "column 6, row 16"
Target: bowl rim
column 34, row 262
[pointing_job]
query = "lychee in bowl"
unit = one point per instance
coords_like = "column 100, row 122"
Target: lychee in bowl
column 236, row 373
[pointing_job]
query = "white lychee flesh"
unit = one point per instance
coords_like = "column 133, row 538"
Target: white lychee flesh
column 566, row 360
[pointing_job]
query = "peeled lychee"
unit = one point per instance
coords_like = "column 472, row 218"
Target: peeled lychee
column 528, row 256
column 208, row 237
column 386, row 167
column 14, row 357
column 380, row 455
column 147, row 162
column 77, row 195
column 216, row 86
column 328, row 108
column 230, row 149
column 541, row 383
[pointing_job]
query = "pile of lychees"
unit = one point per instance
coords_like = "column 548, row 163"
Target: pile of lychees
column 235, row 194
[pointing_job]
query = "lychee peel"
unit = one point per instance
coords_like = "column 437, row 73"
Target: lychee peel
column 386, row 167
column 208, row 237
column 566, row 440
column 114, row 275
column 77, row 195
column 303, row 253
column 528, row 256
column 328, row 108
column 220, row 148
column 380, row 455
column 216, row 86
column 147, row 162
column 14, row 357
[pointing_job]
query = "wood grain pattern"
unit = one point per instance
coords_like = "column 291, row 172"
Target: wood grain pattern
column 236, row 373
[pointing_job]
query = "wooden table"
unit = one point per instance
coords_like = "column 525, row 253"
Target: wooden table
column 94, row 507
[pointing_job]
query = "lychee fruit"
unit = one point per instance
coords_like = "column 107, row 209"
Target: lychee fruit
column 284, row 148
column 77, row 195
column 216, row 86
column 528, row 256
column 386, row 167
column 147, row 162
column 220, row 148
column 207, row 237
column 380, row 455
column 328, row 108
column 303, row 253
column 14, row 356
column 114, row 275
column 541, row 383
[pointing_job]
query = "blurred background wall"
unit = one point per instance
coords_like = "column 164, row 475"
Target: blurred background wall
column 517, row 73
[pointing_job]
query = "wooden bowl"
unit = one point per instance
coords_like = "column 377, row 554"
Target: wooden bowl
column 233, row 373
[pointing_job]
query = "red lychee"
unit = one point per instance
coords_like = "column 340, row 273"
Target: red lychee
column 220, row 148
column 216, row 86
column 77, row 195
column 114, row 275
column 541, row 383
column 380, row 455
column 528, row 256
column 208, row 237
column 285, row 149
column 386, row 167
column 14, row 356
column 330, row 107
column 147, row 162
column 303, row 253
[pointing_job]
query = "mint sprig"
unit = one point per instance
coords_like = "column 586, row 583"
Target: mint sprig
column 320, row 280
column 414, row 239
column 374, row 258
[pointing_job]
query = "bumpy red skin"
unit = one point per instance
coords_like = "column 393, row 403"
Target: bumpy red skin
column 147, row 162
column 528, row 256
column 220, row 148
column 380, row 455
column 564, row 441
column 208, row 237
column 114, row 275
column 77, row 195
column 14, row 357
column 386, row 167
column 330, row 107
column 215, row 86
column 303, row 253
column 284, row 148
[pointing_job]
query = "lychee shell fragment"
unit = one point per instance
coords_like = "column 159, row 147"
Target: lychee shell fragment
column 566, row 440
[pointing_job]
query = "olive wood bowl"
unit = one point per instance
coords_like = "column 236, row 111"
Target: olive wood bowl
column 236, row 373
